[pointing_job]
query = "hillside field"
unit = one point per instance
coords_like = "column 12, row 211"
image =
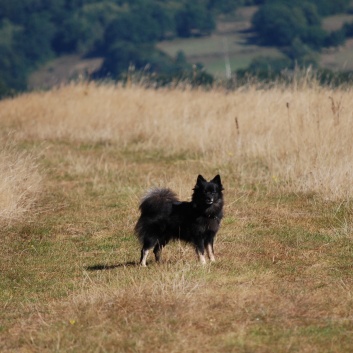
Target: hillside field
column 75, row 162
column 230, row 38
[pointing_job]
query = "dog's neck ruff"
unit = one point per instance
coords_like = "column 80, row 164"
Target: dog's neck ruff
column 212, row 211
column 216, row 218
column 213, row 217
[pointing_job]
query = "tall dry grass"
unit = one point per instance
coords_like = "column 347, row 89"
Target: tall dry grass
column 282, row 280
column 20, row 183
column 297, row 138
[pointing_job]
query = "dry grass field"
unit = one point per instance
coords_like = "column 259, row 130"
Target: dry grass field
column 74, row 163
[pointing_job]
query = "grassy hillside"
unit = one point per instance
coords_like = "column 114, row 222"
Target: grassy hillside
column 69, row 275
column 230, row 37
column 63, row 70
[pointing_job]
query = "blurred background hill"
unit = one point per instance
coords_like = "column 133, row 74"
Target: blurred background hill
column 47, row 42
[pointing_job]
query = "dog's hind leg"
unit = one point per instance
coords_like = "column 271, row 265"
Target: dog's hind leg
column 144, row 253
column 148, row 245
column 158, row 250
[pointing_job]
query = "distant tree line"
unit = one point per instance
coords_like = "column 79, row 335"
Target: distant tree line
column 279, row 23
column 125, row 33
column 295, row 27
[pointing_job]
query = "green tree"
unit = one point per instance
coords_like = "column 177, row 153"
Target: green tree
column 74, row 31
column 120, row 57
column 314, row 37
column 348, row 29
column 336, row 38
column 83, row 31
column 132, row 27
column 180, row 59
column 278, row 25
column 142, row 57
column 34, row 40
column 161, row 15
column 329, row 7
column 8, row 31
column 18, row 10
column 311, row 14
column 13, row 70
column 224, row 6
column 323, row 7
column 194, row 17
column 301, row 54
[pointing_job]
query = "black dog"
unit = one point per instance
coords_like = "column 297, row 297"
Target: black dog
column 164, row 217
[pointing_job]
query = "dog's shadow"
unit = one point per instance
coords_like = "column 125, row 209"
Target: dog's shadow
column 104, row 267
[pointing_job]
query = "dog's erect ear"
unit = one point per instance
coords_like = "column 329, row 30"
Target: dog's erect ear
column 217, row 180
column 199, row 181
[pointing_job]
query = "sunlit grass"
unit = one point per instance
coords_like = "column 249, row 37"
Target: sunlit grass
column 282, row 281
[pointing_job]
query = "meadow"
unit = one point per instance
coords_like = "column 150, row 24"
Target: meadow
column 74, row 164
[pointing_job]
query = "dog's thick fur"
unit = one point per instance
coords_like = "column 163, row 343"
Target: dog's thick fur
column 164, row 218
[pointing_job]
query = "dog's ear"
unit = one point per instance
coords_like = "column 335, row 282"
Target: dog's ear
column 217, row 180
column 199, row 181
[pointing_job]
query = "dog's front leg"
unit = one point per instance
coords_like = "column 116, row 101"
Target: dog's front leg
column 200, row 251
column 210, row 252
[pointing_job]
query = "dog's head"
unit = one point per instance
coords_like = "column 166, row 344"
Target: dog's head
column 208, row 192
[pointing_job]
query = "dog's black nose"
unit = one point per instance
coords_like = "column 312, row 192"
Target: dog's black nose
column 209, row 200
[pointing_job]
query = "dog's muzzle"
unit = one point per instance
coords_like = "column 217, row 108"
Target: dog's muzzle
column 209, row 201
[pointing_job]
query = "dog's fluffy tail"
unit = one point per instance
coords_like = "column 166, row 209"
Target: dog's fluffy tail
column 156, row 207
column 157, row 201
